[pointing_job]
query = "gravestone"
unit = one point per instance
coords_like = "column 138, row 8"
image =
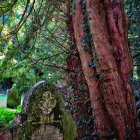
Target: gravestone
column 13, row 99
column 43, row 116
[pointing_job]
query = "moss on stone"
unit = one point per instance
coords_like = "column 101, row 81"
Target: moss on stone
column 13, row 100
column 32, row 107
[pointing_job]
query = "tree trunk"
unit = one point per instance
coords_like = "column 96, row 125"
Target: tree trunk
column 99, row 32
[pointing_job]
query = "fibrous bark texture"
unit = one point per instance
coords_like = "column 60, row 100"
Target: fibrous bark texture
column 99, row 33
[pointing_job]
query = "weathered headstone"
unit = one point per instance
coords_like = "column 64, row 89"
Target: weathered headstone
column 43, row 116
column 13, row 99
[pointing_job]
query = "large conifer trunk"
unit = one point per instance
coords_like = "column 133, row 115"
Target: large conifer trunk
column 100, row 32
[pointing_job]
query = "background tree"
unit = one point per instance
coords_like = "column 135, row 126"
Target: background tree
column 33, row 43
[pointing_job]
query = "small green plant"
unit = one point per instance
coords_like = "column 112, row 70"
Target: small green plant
column 7, row 115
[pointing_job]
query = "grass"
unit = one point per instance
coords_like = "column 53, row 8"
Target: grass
column 7, row 115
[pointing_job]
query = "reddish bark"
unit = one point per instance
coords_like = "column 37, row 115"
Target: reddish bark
column 111, row 97
column 2, row 136
column 82, row 111
column 98, row 109
column 110, row 24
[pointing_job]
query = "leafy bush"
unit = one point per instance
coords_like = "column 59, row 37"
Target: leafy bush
column 7, row 115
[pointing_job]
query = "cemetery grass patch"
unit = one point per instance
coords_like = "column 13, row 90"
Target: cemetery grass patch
column 7, row 115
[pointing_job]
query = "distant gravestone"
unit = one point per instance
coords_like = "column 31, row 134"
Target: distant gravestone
column 13, row 99
column 43, row 116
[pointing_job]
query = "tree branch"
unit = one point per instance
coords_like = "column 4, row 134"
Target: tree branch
column 37, row 61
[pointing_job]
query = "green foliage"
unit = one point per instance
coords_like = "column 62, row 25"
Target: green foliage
column 7, row 115
column 19, row 108
column 27, row 53
column 132, row 10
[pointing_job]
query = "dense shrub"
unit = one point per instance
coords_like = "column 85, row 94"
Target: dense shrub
column 7, row 115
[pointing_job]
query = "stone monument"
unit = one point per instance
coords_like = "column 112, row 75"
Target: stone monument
column 43, row 116
column 13, row 98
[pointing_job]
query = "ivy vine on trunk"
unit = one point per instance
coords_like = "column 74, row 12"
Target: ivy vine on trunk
column 102, row 70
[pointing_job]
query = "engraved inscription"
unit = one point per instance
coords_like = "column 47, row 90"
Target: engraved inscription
column 48, row 133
